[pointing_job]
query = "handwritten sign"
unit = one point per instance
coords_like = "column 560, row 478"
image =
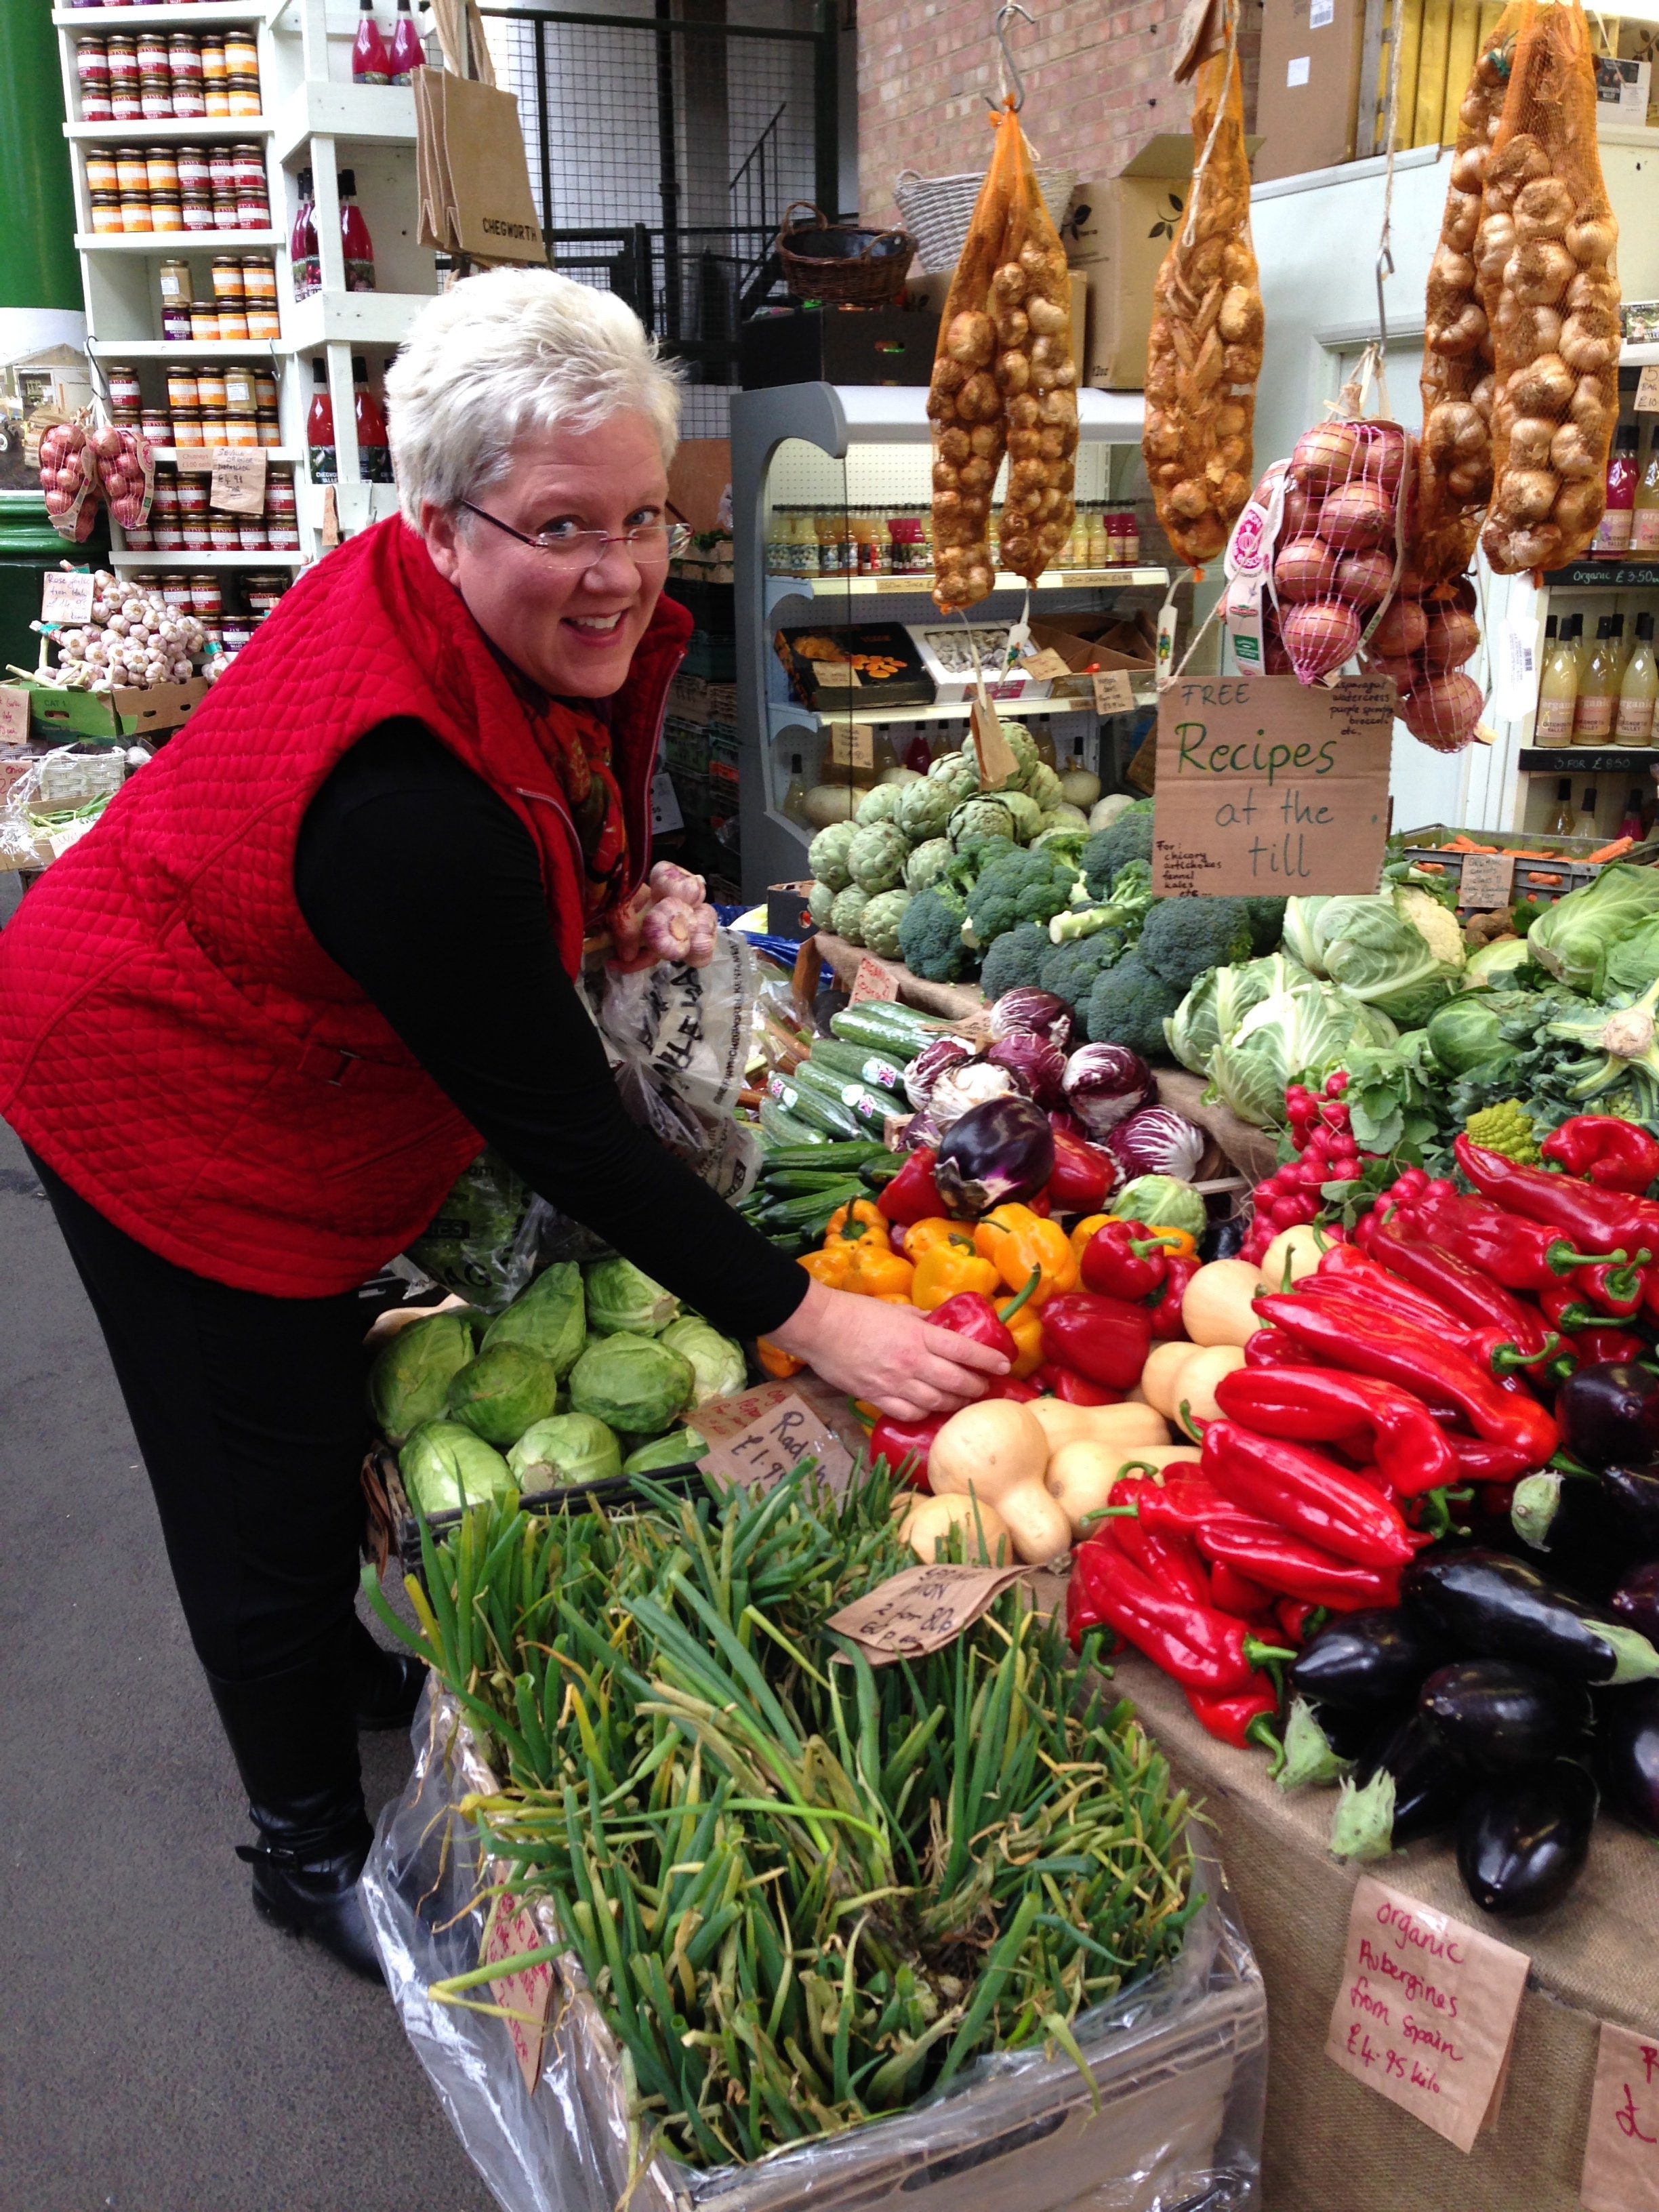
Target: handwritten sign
column 1425, row 2011
column 238, row 486
column 852, row 744
column 1114, row 693
column 874, row 980
column 1621, row 2150
column 525, row 1994
column 66, row 595
column 758, row 1437
column 1647, row 390
column 14, row 715
column 1267, row 786
column 920, row 1609
column 1045, row 667
column 1487, row 879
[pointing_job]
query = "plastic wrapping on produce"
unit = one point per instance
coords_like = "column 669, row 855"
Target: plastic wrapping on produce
column 1178, row 2062
column 484, row 1242
column 54, row 800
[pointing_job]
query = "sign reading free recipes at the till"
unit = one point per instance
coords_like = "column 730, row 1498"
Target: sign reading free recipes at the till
column 1267, row 786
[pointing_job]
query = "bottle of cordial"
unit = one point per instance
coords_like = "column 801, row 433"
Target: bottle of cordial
column 1638, row 689
column 302, row 243
column 370, row 62
column 1613, row 535
column 1557, row 689
column 407, row 54
column 1598, row 691
column 355, row 243
column 1645, row 515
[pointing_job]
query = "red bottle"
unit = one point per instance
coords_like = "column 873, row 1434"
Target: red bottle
column 374, row 445
column 370, row 62
column 407, row 53
column 355, row 243
column 321, row 452
column 1612, row 540
column 302, row 243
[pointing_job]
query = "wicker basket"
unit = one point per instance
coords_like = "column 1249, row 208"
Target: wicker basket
column 939, row 209
column 838, row 263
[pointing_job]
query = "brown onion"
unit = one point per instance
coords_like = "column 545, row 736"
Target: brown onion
column 1450, row 638
column 1406, row 672
column 1402, row 629
column 1443, row 706
column 1306, row 570
column 1326, row 454
column 1356, row 517
column 1320, row 637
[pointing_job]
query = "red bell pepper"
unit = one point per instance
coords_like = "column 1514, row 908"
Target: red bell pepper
column 1200, row 1649
column 1125, row 1260
column 1167, row 1558
column 913, row 1195
column 1302, row 1490
column 1606, row 1150
column 1019, row 1388
column 1475, row 1298
column 1297, row 1620
column 1593, row 1345
column 1081, row 1177
column 1231, row 1592
column 970, row 1314
column 1245, row 1720
column 1294, row 1567
column 1347, row 1332
column 1071, row 1389
column 1168, row 1326
column 1320, row 1405
column 896, row 1441
column 1104, row 1339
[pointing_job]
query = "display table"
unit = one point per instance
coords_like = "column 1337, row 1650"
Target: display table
column 1333, row 2145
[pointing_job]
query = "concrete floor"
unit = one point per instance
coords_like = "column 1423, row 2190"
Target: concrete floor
column 160, row 2049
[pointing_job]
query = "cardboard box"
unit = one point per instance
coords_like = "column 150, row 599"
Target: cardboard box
column 1308, row 101
column 786, row 912
column 124, row 713
column 1091, row 646
column 1115, row 237
column 946, row 656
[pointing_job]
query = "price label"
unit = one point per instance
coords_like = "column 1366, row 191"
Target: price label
column 66, row 595
column 238, row 485
column 874, row 980
column 835, row 675
column 14, row 715
column 1621, row 2150
column 1167, row 620
column 1487, row 879
column 1425, row 2011
column 1114, row 693
column 525, row 1994
column 1044, row 667
column 1647, row 390
column 920, row 1609
column 759, row 1438
column 666, row 816
column 852, row 744
column 997, row 764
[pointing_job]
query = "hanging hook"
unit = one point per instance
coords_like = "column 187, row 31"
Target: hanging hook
column 1009, row 72
column 1384, row 271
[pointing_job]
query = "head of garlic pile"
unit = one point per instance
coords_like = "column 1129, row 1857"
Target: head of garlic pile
column 133, row 640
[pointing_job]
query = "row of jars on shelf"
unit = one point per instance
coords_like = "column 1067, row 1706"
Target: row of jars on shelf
column 243, row 305
column 182, row 520
column 241, row 388
column 888, row 541
column 176, row 188
column 168, row 75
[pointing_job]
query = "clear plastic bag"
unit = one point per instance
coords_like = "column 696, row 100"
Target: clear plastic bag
column 483, row 1242
column 1178, row 2063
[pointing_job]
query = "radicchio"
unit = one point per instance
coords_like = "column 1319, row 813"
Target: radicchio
column 1105, row 1083
column 1158, row 1141
column 934, row 1061
column 1038, row 1065
column 1032, row 1013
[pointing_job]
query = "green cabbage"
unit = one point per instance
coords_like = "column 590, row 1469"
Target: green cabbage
column 409, row 1382
column 680, row 1448
column 716, row 1361
column 1575, row 939
column 1302, row 1032
column 1376, row 948
column 549, row 1319
column 1495, row 963
column 1633, row 961
column 502, row 1392
column 633, row 1383
column 1219, row 1002
column 568, row 1448
column 1163, row 1202
column 621, row 1296
column 445, row 1465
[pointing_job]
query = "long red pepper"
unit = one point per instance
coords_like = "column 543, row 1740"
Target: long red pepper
column 1072, row 1388
column 1167, row 1558
column 1167, row 1323
column 1294, row 1567
column 1245, row 1720
column 1583, row 1210
column 1199, row 1648
column 1345, row 1268
column 1519, row 1254
column 1475, row 1298
column 1270, row 1347
column 1345, row 1333
column 1229, row 1591
column 1304, row 1491
column 1320, row 1405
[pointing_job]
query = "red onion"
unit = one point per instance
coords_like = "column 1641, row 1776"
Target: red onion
column 1032, row 1013
column 930, row 1063
column 1038, row 1066
column 1158, row 1141
column 1105, row 1083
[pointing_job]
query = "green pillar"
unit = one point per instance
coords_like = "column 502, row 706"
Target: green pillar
column 38, row 265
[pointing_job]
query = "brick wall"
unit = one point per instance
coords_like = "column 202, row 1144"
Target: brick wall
column 1096, row 81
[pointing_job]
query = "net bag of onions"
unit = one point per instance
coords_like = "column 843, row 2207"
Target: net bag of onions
column 1426, row 633
column 1205, row 352
column 1545, row 272
column 68, row 480
column 1455, row 460
column 126, row 472
column 1338, row 551
column 1004, row 381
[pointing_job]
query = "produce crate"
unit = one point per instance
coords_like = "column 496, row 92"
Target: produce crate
column 123, row 713
column 1548, row 880
column 712, row 656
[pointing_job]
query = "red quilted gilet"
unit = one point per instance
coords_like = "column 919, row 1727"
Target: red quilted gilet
column 175, row 1042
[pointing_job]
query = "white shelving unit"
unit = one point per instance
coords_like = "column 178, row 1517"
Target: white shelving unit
column 313, row 116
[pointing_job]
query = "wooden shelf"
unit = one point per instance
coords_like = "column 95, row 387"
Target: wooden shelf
column 356, row 318
column 373, row 114
column 912, row 586
column 188, row 128
column 784, row 713
column 174, row 242
column 197, row 460
column 204, row 12
column 1605, row 576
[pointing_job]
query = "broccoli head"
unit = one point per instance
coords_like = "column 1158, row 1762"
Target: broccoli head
column 964, row 870
column 1129, row 1005
column 1069, row 971
column 1129, row 838
column 1022, row 886
column 930, row 935
column 1267, row 924
column 1132, row 893
column 1181, row 938
column 1015, row 961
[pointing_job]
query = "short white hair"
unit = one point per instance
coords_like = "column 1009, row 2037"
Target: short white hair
column 506, row 352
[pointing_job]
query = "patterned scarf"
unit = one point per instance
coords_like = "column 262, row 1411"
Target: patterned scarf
column 574, row 735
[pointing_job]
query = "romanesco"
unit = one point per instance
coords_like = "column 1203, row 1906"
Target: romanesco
column 1507, row 1128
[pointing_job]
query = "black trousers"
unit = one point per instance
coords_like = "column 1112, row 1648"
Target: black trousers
column 251, row 1416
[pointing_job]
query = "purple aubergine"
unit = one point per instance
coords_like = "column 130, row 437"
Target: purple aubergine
column 1610, row 1414
column 1636, row 1600
column 1370, row 1661
column 1634, row 1493
column 994, row 1155
column 1405, row 1785
column 1521, row 1842
column 1496, row 1607
column 1498, row 1716
column 1571, row 1520
column 1628, row 1754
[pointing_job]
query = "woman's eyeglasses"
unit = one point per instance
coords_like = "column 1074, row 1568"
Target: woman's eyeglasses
column 650, row 544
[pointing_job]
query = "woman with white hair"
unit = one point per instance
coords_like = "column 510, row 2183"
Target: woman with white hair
column 253, row 1025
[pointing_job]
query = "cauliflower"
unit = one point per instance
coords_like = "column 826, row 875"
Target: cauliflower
column 881, row 922
column 847, row 915
column 826, row 855
column 978, row 818
column 923, row 811
column 1436, row 924
column 927, row 864
column 877, row 855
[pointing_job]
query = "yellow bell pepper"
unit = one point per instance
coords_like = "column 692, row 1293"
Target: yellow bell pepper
column 1026, row 1329
column 1015, row 1241
column 924, row 1237
column 779, row 1365
column 830, row 1267
column 1083, row 1230
column 878, row 1272
column 857, row 1224
column 950, row 1268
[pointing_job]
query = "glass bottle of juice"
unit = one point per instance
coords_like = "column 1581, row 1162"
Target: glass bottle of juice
column 1598, row 691
column 1587, row 824
column 373, row 444
column 1621, row 652
column 825, row 530
column 370, row 62
column 1099, row 552
column 1558, row 688
column 1638, row 689
column 1561, row 821
column 1644, row 514
column 1612, row 535
column 406, row 53
column 321, row 452
column 356, row 244
column 861, row 524
column 793, row 802
column 302, row 243
column 1630, row 824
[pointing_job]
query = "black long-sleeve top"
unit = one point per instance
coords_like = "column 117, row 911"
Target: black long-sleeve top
column 425, row 887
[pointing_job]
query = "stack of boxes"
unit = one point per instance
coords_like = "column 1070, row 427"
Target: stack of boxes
column 700, row 751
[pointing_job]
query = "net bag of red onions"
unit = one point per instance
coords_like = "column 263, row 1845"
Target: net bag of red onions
column 1337, row 551
column 126, row 474
column 68, row 480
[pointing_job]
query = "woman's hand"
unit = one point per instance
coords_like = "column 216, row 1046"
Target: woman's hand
column 890, row 1355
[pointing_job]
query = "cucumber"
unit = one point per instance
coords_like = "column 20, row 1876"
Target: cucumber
column 824, row 1154
column 838, row 1091
column 884, row 1029
column 821, row 1108
column 789, row 1130
column 856, row 1063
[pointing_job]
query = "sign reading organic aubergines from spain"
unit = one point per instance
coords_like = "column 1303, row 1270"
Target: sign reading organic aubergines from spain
column 1267, row 786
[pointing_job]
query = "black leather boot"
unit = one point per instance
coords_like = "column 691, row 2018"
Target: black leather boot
column 294, row 1738
column 385, row 1685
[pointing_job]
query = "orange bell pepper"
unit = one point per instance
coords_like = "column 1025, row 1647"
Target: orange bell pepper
column 857, row 1224
column 879, row 1272
column 830, row 1267
column 780, row 1365
column 1015, row 1240
column 1083, row 1230
column 948, row 1268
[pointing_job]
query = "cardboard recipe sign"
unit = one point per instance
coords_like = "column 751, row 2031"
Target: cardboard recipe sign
column 1267, row 786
